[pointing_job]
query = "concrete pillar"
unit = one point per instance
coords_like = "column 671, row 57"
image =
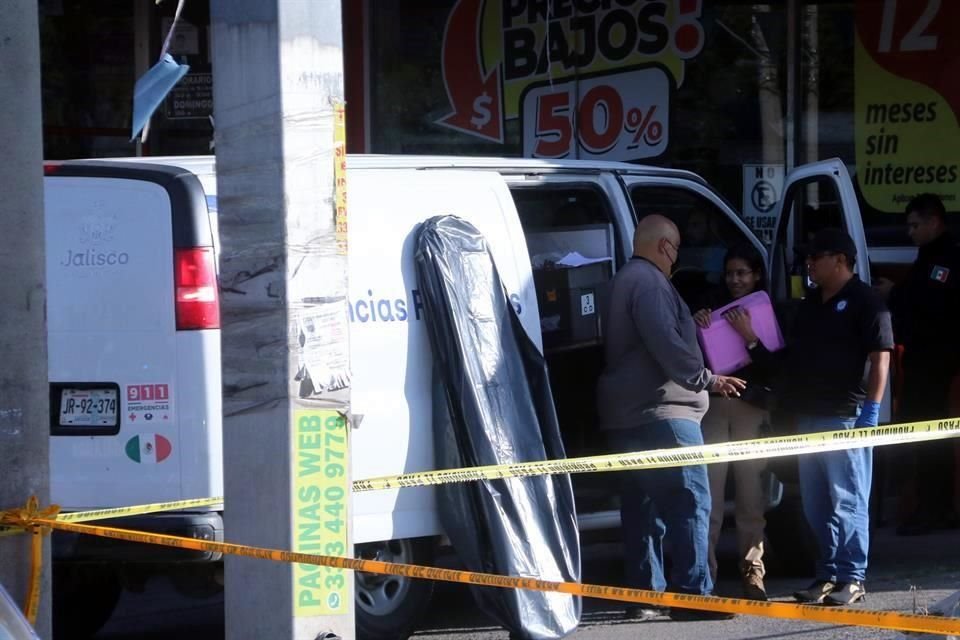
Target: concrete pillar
column 24, row 390
column 278, row 72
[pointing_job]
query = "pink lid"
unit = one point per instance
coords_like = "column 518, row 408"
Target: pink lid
column 724, row 349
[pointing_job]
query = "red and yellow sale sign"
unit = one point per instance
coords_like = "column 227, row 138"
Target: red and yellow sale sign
column 907, row 101
column 587, row 78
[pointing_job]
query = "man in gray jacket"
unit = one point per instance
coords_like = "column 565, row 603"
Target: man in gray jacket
column 652, row 395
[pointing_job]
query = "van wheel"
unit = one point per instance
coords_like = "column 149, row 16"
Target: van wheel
column 198, row 582
column 792, row 547
column 389, row 607
column 84, row 597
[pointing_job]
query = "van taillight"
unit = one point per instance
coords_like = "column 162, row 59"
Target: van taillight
column 195, row 280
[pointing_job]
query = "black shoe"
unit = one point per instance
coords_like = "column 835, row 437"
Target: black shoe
column 694, row 615
column 753, row 588
column 643, row 612
column 816, row 592
column 845, row 594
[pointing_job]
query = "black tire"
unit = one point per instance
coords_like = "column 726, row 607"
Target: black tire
column 84, row 597
column 197, row 581
column 389, row 607
column 791, row 547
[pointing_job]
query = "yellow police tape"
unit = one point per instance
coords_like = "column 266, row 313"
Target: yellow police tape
column 878, row 619
column 120, row 512
column 25, row 519
column 18, row 521
column 800, row 444
column 684, row 456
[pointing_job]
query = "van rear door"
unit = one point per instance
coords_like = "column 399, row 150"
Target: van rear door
column 133, row 335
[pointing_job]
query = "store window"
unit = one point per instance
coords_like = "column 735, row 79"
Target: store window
column 89, row 70
column 183, row 124
column 880, row 89
column 684, row 84
column 87, row 77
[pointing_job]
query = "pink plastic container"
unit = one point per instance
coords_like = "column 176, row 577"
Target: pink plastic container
column 724, row 349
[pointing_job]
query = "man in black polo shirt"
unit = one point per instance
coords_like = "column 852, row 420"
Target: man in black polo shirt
column 839, row 327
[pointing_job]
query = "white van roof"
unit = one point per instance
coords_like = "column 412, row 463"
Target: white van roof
column 205, row 164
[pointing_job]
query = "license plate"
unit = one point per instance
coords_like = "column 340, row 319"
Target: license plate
column 88, row 407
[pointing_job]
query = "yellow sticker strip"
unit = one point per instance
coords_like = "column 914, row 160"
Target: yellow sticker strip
column 828, row 615
column 684, row 456
column 340, row 175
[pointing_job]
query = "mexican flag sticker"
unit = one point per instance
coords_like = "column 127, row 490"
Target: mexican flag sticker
column 148, row 448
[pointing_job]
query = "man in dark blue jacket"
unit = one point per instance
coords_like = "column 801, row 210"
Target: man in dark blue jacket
column 925, row 307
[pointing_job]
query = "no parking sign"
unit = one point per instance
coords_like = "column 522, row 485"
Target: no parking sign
column 762, row 189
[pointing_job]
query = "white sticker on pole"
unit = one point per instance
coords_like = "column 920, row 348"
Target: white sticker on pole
column 623, row 116
column 762, row 190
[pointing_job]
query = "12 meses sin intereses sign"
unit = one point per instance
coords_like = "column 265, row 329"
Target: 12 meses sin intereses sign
column 907, row 66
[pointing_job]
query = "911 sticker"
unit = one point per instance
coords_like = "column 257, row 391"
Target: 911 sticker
column 148, row 403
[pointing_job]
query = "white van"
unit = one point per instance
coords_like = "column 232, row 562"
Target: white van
column 134, row 344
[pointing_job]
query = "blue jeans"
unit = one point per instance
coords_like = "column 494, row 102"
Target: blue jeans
column 671, row 504
column 835, row 488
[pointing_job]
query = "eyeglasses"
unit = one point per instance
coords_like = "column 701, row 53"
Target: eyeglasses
column 675, row 247
column 739, row 273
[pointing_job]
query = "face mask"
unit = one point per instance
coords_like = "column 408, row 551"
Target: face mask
column 673, row 261
column 151, row 89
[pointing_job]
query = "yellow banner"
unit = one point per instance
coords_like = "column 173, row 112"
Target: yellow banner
column 907, row 101
column 320, row 514
column 494, row 51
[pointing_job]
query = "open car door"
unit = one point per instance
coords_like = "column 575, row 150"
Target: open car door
column 816, row 196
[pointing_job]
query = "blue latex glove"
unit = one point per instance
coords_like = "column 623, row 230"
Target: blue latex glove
column 869, row 414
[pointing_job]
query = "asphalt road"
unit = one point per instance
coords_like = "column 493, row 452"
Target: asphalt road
column 906, row 572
